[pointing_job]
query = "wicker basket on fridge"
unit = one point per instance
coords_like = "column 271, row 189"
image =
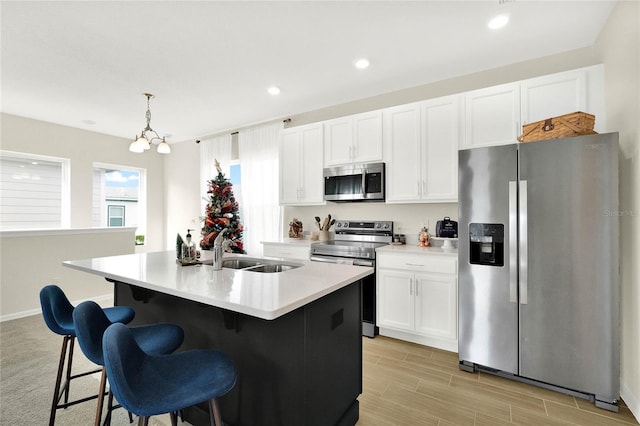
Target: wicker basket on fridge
column 564, row 126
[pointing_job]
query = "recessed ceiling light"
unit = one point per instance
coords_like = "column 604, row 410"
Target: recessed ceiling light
column 498, row 21
column 361, row 63
column 273, row 90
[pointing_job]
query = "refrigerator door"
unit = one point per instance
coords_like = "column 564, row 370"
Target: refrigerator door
column 487, row 300
column 569, row 263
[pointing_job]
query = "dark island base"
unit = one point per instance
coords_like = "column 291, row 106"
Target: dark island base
column 304, row 368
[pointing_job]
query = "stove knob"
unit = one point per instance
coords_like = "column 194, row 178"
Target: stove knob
column 339, row 225
column 346, row 224
column 378, row 225
column 386, row 226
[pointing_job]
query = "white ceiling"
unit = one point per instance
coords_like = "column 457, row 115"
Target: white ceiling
column 209, row 63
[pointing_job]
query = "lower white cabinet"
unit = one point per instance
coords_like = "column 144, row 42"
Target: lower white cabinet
column 417, row 298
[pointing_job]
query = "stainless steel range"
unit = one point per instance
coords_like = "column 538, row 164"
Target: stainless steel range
column 355, row 243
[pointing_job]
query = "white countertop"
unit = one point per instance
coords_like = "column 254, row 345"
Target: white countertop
column 262, row 295
column 411, row 249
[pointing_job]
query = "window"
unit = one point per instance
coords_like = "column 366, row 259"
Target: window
column 115, row 216
column 34, row 191
column 119, row 198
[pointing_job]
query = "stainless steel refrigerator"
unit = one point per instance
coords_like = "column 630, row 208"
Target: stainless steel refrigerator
column 538, row 264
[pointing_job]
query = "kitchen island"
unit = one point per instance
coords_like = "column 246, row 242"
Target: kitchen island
column 294, row 336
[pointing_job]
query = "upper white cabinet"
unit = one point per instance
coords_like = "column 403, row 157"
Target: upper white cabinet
column 440, row 137
column 492, row 116
column 301, row 180
column 353, row 139
column 402, row 142
column 553, row 95
column 421, row 151
column 495, row 115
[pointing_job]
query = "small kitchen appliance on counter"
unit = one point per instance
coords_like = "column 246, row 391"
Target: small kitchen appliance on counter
column 447, row 228
column 355, row 243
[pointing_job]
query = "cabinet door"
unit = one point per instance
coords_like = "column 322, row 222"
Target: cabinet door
column 402, row 148
column 338, row 144
column 290, row 166
column 311, row 172
column 492, row 116
column 367, row 137
column 553, row 95
column 436, row 305
column 440, row 125
column 395, row 299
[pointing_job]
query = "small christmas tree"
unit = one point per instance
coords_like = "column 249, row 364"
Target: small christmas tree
column 222, row 212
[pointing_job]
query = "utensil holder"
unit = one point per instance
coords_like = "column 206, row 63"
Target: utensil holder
column 324, row 235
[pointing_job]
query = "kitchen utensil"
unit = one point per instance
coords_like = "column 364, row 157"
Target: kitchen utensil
column 318, row 222
column 333, row 221
column 325, row 224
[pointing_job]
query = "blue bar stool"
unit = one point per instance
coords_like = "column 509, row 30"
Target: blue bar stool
column 148, row 385
column 58, row 315
column 91, row 322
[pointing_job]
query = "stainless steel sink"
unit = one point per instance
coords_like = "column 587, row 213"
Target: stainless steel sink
column 270, row 268
column 239, row 263
column 258, row 265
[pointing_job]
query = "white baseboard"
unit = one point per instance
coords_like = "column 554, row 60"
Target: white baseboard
column 106, row 299
column 440, row 343
column 631, row 400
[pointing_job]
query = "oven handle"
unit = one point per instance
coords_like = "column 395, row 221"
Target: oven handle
column 347, row 260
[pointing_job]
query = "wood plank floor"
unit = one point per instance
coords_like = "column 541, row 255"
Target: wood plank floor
column 409, row 384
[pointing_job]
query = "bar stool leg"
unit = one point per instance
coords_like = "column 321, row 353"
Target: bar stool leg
column 56, row 397
column 214, row 413
column 103, row 385
column 72, row 340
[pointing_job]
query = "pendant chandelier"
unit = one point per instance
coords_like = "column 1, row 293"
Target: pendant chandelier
column 149, row 136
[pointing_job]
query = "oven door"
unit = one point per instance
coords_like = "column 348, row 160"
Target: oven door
column 367, row 295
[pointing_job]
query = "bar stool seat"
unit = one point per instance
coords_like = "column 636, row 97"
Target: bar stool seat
column 57, row 312
column 148, row 385
column 90, row 323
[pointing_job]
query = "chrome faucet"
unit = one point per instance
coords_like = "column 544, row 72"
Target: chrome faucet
column 218, row 249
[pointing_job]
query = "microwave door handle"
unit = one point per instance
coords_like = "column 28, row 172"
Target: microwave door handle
column 364, row 182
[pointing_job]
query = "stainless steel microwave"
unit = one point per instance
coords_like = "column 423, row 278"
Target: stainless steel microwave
column 354, row 182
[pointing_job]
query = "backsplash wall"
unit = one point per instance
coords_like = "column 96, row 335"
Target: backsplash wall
column 407, row 219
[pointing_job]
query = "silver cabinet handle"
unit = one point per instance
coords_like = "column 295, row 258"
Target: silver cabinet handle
column 513, row 242
column 524, row 267
column 410, row 286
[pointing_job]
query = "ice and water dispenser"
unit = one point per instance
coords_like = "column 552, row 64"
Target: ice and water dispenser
column 486, row 242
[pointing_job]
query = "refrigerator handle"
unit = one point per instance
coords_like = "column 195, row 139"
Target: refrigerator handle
column 523, row 272
column 513, row 242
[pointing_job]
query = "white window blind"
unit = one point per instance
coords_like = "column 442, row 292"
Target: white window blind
column 34, row 191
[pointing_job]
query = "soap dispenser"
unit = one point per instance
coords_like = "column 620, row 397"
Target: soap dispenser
column 188, row 248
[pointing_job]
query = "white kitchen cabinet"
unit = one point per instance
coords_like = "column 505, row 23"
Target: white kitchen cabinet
column 402, row 146
column 492, row 116
column 418, row 298
column 301, row 180
column 440, row 136
column 287, row 250
column 421, row 151
column 553, row 95
column 353, row 139
column 495, row 115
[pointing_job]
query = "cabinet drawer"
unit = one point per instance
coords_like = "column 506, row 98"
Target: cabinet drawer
column 437, row 264
column 285, row 251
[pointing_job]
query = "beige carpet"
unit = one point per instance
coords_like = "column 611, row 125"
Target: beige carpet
column 29, row 354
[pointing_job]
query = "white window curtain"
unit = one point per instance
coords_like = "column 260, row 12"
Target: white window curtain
column 260, row 210
column 211, row 149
